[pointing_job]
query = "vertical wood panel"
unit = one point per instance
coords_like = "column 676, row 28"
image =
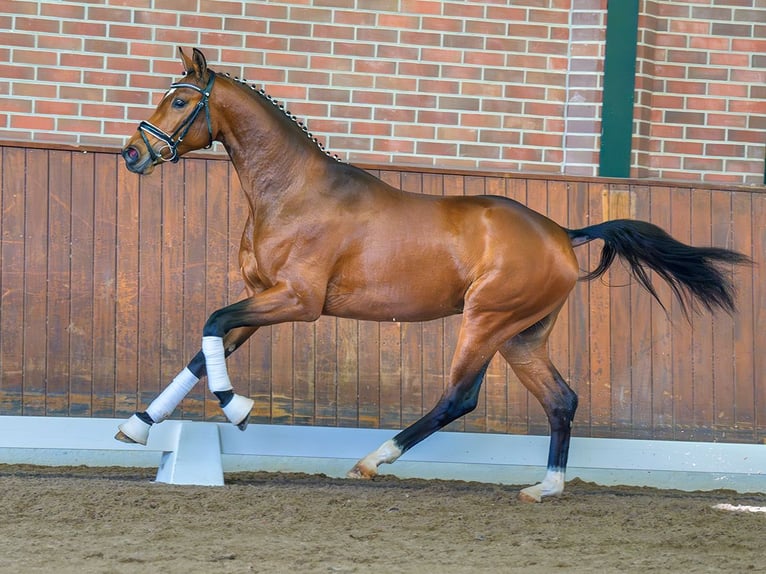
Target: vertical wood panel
column 579, row 315
column 114, row 278
column 12, row 277
column 683, row 400
column 723, row 334
column 600, row 335
column 126, row 297
column 702, row 328
column 640, row 325
column 35, row 284
column 82, row 303
column 662, row 357
column 104, row 278
column 59, row 281
column 744, row 328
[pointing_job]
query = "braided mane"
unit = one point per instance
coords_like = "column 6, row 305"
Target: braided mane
column 262, row 93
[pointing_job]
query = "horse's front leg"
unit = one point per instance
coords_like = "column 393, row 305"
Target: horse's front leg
column 280, row 304
column 136, row 428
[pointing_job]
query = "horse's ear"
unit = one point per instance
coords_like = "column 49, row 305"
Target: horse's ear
column 196, row 65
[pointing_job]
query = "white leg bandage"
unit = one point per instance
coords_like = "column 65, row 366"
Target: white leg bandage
column 164, row 405
column 215, row 361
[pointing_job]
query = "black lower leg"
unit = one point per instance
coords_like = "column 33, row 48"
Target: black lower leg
column 560, row 418
column 451, row 406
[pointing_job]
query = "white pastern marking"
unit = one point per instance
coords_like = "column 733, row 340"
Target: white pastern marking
column 388, row 452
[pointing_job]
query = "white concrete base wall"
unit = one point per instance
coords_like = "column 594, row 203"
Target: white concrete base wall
column 188, row 452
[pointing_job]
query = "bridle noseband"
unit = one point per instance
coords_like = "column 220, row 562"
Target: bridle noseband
column 181, row 131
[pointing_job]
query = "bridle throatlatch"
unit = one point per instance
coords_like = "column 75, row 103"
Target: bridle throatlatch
column 181, row 131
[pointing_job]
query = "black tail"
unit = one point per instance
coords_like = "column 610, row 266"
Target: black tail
column 696, row 274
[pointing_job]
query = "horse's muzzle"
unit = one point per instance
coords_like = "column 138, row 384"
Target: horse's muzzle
column 133, row 161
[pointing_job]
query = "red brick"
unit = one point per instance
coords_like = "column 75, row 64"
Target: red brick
column 414, row 131
column 310, row 45
column 351, row 112
column 221, row 7
column 106, row 46
column 371, row 129
column 352, row 80
column 394, row 115
column 420, row 38
column 266, row 43
column 33, row 123
column 354, row 18
column 221, row 39
column 463, row 42
column 460, row 134
column 18, row 7
column 422, row 6
column 420, row 101
column 438, row 86
column 287, row 60
column 57, row 108
column 349, row 143
column 17, row 39
column 436, row 148
column 398, row 52
column 104, row 111
column 37, row 25
column 15, row 72
column 480, row 120
column 373, row 98
column 155, row 18
column 394, row 145
column 334, row 32
column 36, row 90
column 396, row 84
column 59, row 75
column 78, row 125
column 109, row 14
column 290, row 29
column 266, row 11
column 105, row 78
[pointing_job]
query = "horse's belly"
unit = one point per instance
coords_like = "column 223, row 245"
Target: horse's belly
column 400, row 303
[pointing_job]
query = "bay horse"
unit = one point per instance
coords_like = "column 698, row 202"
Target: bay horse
column 326, row 238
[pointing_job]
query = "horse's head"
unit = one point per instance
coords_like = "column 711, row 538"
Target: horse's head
column 181, row 122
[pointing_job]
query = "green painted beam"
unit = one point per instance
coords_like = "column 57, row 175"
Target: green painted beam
column 619, row 88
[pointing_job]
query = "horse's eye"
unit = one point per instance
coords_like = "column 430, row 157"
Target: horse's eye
column 178, row 103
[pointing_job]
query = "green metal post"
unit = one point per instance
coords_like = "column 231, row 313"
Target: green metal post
column 619, row 88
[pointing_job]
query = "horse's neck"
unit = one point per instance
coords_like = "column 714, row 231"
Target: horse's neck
column 270, row 158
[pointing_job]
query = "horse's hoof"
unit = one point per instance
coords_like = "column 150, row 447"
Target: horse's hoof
column 243, row 425
column 134, row 431
column 122, row 437
column 529, row 498
column 238, row 410
column 359, row 473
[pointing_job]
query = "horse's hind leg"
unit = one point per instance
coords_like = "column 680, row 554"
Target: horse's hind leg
column 527, row 354
column 475, row 348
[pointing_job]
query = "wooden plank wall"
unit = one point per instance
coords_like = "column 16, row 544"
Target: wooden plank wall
column 107, row 278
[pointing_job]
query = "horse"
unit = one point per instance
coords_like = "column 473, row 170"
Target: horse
column 323, row 237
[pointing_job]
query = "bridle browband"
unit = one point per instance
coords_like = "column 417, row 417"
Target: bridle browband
column 181, row 131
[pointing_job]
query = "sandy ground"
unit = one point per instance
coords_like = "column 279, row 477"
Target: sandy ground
column 84, row 520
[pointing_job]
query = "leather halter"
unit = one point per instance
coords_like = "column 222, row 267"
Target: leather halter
column 181, row 131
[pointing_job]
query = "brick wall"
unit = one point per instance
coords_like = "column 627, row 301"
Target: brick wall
column 506, row 84
column 454, row 84
column 701, row 91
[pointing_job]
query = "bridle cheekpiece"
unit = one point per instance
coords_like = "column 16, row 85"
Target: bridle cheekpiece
column 172, row 144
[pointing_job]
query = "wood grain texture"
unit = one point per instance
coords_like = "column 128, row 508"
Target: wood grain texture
column 107, row 280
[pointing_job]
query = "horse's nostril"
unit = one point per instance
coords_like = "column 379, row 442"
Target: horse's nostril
column 131, row 154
